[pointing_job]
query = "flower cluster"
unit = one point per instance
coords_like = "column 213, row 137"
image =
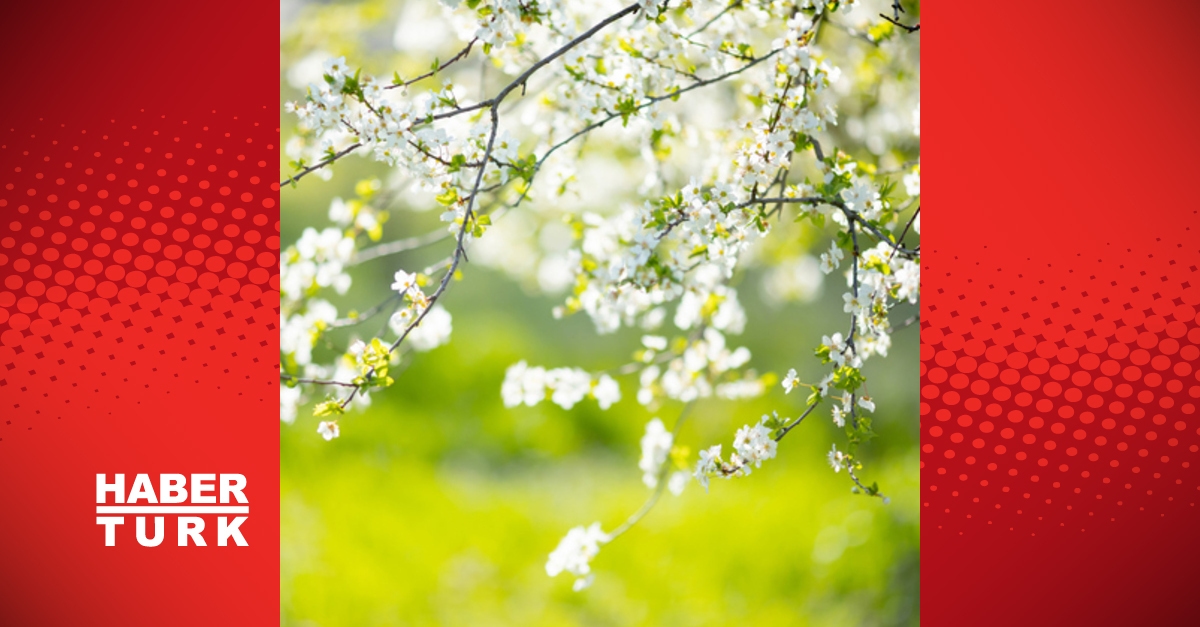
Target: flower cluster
column 695, row 371
column 657, row 449
column 752, row 446
column 565, row 386
column 575, row 552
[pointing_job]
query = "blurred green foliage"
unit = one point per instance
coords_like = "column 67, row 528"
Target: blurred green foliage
column 438, row 506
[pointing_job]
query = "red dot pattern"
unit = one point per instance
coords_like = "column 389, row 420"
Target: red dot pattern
column 135, row 255
column 1061, row 396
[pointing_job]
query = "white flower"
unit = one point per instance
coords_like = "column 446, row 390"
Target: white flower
column 569, row 386
column 866, row 403
column 340, row 212
column 912, row 182
column 908, row 278
column 710, row 463
column 862, row 197
column 837, row 460
column 404, row 282
column 606, row 391
column 534, row 385
column 839, row 417
column 328, row 430
column 857, row 304
column 754, row 444
column 836, row 343
column 335, row 68
column 513, row 388
column 574, row 554
column 790, row 381
column 656, row 446
column 654, row 342
column 831, row 259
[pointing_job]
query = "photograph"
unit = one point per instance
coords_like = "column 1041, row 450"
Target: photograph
column 599, row 314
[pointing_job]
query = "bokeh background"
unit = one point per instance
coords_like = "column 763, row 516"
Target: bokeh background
column 438, row 506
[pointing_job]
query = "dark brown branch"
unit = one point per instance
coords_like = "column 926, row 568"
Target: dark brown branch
column 792, row 425
column 897, row 9
column 900, row 240
column 313, row 168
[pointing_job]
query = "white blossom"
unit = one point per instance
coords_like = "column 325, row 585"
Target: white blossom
column 575, row 552
column 830, row 260
column 654, row 342
column 656, row 446
column 912, row 182
column 404, row 282
column 839, row 416
column 565, row 386
column 328, row 430
column 790, row 381
column 606, row 391
column 754, row 445
column 837, row 459
column 568, row 386
column 709, row 464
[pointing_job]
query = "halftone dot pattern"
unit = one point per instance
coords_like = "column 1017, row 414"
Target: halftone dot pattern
column 134, row 255
column 1037, row 414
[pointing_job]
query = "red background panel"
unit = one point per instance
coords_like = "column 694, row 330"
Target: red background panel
column 138, row 302
column 1060, row 337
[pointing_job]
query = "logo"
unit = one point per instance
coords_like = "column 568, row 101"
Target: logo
column 192, row 500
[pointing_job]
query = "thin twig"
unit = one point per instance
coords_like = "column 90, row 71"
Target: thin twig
column 850, row 213
column 900, row 240
column 787, row 429
column 399, row 246
column 462, row 54
column 365, row 315
column 897, row 9
column 313, row 168
column 733, row 5
column 287, row 377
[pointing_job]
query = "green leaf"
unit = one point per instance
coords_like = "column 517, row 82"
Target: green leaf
column 626, row 107
column 331, row 407
column 848, row 378
column 449, row 197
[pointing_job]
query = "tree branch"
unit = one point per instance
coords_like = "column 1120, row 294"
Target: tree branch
column 313, row 168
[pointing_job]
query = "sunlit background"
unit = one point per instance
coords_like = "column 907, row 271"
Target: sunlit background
column 438, row 506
